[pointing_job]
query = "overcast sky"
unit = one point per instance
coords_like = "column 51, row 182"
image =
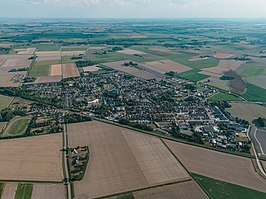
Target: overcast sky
column 133, row 8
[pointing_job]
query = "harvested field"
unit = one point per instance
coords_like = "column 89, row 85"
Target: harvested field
column 122, row 160
column 2, row 125
column 229, row 168
column 70, row 70
column 258, row 80
column 91, row 68
column 164, row 66
column 48, row 79
column 237, row 85
column 7, row 80
column 6, row 45
column 17, row 63
column 27, row 51
column 2, row 60
column 9, row 190
column 162, row 50
column 210, row 74
column 58, row 54
column 224, row 65
column 138, row 72
column 132, row 52
column 72, row 53
column 247, row 111
column 180, row 190
column 56, row 70
column 264, row 165
column 52, row 58
column 48, row 191
column 221, row 55
column 32, row 158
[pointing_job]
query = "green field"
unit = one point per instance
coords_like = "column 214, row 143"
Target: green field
column 41, row 68
column 225, row 97
column 255, row 93
column 252, row 72
column 4, row 101
column 192, row 75
column 18, row 126
column 221, row 190
column 24, row 191
column 1, row 189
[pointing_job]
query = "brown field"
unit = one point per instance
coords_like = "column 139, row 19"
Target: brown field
column 70, row 70
column 237, row 85
column 2, row 60
column 122, row 160
column 17, row 63
column 91, row 68
column 163, row 66
column 216, row 82
column 48, row 191
column 9, row 190
column 221, row 55
column 247, row 111
column 223, row 66
column 229, row 168
column 56, row 70
column 132, row 52
column 48, row 79
column 6, row 80
column 180, row 190
column 32, row 158
column 50, row 58
column 131, row 70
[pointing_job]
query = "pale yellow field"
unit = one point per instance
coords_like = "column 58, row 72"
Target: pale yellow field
column 122, row 160
column 32, row 158
column 247, row 111
column 91, row 68
column 224, row 65
column 163, row 66
column 221, row 55
column 132, row 52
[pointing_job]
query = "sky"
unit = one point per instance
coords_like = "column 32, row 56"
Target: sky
column 133, row 9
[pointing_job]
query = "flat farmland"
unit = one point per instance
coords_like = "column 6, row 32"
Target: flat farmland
column 247, row 111
column 17, row 63
column 70, row 70
column 27, row 51
column 58, row 54
column 132, row 52
column 221, row 55
column 180, row 190
column 48, row 79
column 41, row 68
column 56, row 70
column 163, row 66
column 32, row 158
column 9, row 191
column 48, row 191
column 131, row 70
column 223, row 66
column 258, row 80
column 122, row 160
column 229, row 168
column 5, row 101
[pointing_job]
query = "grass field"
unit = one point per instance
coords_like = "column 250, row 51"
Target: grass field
column 255, row 93
column 221, row 190
column 225, row 97
column 41, row 68
column 17, row 126
column 192, row 75
column 252, row 71
column 1, row 189
column 4, row 101
column 24, row 191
